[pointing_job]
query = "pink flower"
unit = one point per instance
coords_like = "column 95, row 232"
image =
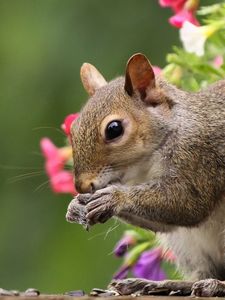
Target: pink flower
column 68, row 122
column 157, row 70
column 184, row 11
column 63, row 182
column 218, row 61
column 176, row 5
column 55, row 158
column 183, row 15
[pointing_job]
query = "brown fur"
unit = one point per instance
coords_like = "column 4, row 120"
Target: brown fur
column 168, row 170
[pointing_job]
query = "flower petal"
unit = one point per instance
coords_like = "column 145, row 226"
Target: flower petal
column 54, row 161
column 182, row 16
column 63, row 182
column 123, row 245
column 122, row 272
column 218, row 61
column 48, row 148
column 175, row 5
column 157, row 70
column 148, row 265
column 193, row 38
column 55, row 158
column 68, row 122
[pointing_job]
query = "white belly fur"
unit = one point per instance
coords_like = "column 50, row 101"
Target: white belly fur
column 199, row 249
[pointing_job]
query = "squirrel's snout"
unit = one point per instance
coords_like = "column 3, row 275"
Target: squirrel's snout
column 86, row 183
column 85, row 186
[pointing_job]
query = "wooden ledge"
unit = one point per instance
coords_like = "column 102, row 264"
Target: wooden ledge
column 63, row 297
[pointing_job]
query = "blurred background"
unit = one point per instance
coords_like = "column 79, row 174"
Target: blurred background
column 42, row 46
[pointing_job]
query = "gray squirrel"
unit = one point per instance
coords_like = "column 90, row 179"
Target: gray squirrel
column 154, row 156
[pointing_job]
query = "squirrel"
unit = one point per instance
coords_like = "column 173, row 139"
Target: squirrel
column 154, row 156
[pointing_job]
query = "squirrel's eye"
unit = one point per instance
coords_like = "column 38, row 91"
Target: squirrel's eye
column 113, row 130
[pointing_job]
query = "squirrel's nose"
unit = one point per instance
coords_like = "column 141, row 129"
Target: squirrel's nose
column 84, row 186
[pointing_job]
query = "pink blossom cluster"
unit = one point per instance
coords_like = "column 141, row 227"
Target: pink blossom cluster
column 61, row 180
column 184, row 11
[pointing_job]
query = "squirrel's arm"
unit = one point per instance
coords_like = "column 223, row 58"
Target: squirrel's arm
column 168, row 201
column 176, row 198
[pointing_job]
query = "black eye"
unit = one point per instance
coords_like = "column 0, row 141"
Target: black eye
column 113, row 130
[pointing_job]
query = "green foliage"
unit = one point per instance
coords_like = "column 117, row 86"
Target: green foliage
column 192, row 72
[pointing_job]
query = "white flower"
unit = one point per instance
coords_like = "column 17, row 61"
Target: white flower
column 193, row 38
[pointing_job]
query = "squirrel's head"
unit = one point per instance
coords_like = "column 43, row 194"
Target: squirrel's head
column 119, row 127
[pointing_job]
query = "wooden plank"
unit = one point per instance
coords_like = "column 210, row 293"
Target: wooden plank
column 63, row 297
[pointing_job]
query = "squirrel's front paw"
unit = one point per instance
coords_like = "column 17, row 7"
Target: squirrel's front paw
column 102, row 205
column 208, row 288
column 76, row 212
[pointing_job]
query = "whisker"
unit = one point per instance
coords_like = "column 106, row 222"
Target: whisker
column 96, row 235
column 31, row 173
column 8, row 167
column 49, row 127
column 112, row 228
column 41, row 186
column 37, row 153
column 25, row 176
column 105, row 232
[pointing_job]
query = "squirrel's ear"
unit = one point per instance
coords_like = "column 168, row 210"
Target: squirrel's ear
column 91, row 78
column 139, row 75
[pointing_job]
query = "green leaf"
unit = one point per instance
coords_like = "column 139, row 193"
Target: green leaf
column 134, row 253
